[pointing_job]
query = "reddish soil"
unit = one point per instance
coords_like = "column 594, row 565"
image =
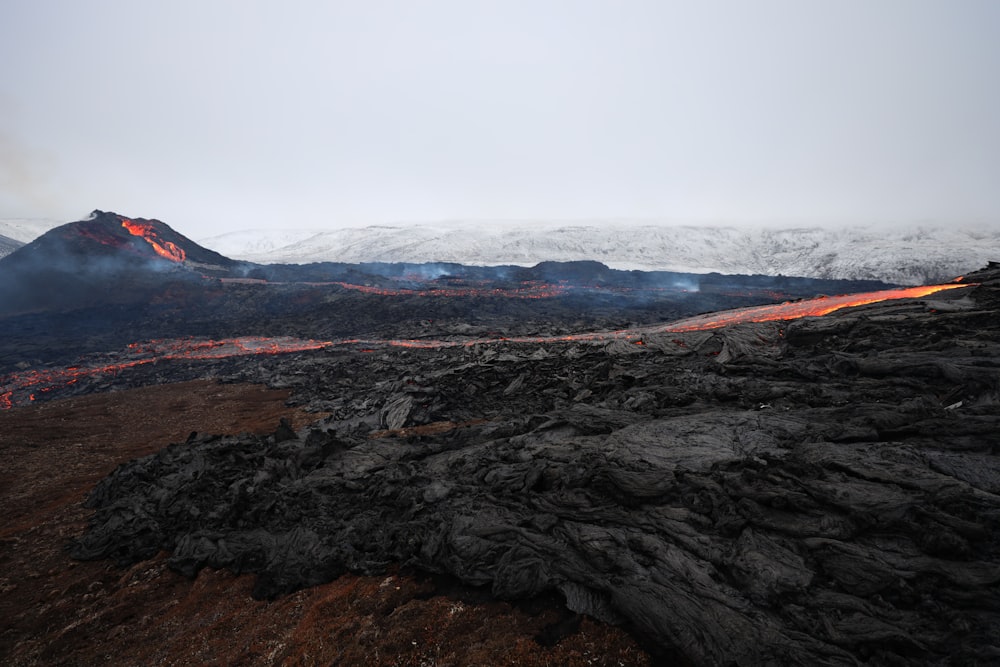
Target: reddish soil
column 57, row 611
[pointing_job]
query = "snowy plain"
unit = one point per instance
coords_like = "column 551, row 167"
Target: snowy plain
column 902, row 254
column 907, row 255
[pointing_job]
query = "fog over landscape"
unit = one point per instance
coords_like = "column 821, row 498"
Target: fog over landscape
column 224, row 116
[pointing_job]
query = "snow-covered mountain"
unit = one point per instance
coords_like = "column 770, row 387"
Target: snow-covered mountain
column 15, row 232
column 904, row 255
column 26, row 230
column 8, row 245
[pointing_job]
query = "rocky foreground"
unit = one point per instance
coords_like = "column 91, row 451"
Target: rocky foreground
column 824, row 491
column 57, row 611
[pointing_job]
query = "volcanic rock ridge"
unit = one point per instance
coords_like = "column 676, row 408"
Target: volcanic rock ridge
column 820, row 491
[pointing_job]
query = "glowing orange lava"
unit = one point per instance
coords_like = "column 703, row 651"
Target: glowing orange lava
column 148, row 233
column 806, row 308
column 15, row 386
column 528, row 289
column 22, row 387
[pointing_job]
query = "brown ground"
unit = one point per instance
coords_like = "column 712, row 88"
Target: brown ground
column 56, row 611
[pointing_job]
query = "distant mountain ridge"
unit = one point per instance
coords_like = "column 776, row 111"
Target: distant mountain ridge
column 16, row 232
column 26, row 230
column 902, row 255
column 896, row 254
column 8, row 245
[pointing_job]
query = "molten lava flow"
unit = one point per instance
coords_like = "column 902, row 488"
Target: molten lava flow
column 14, row 389
column 528, row 289
column 148, row 233
column 781, row 311
column 796, row 309
column 22, row 387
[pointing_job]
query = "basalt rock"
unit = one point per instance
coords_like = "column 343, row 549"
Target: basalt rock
column 817, row 492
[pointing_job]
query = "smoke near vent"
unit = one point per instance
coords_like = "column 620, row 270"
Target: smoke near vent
column 25, row 177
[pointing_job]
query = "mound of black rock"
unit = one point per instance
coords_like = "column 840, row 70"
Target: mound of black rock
column 824, row 491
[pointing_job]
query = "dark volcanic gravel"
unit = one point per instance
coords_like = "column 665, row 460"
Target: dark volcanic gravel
column 825, row 491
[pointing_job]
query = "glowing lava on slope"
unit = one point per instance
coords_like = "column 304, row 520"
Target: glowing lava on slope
column 16, row 388
column 148, row 233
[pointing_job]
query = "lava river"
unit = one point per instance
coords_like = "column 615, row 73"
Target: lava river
column 22, row 387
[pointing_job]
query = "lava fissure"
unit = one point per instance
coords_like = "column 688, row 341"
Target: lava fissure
column 148, row 233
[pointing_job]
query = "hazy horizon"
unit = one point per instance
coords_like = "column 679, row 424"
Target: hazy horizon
column 500, row 225
column 221, row 116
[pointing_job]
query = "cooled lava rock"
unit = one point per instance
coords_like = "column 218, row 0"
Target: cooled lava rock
column 824, row 491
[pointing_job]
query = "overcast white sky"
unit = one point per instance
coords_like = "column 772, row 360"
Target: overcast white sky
column 215, row 116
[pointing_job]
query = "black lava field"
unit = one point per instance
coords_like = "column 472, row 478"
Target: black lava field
column 801, row 489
